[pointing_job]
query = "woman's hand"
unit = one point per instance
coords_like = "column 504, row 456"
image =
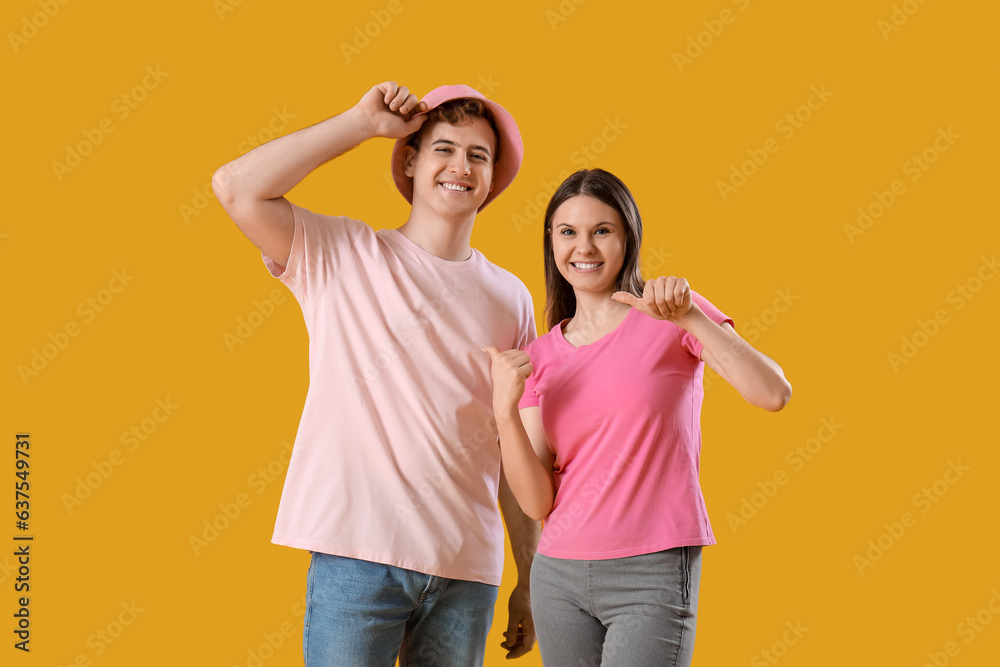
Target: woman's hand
column 663, row 298
column 509, row 370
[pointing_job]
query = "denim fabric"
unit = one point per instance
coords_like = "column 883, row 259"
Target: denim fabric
column 364, row 613
column 622, row 612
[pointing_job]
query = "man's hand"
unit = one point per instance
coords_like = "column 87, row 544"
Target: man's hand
column 520, row 633
column 389, row 110
column 663, row 299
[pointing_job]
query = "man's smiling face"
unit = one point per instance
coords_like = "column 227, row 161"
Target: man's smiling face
column 453, row 169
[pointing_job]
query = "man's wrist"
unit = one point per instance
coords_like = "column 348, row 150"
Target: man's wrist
column 523, row 558
column 360, row 123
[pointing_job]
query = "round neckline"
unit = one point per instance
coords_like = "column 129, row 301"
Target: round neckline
column 607, row 336
column 440, row 261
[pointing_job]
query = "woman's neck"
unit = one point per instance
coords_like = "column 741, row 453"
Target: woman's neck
column 596, row 314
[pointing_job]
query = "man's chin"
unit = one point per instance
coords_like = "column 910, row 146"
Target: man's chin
column 458, row 210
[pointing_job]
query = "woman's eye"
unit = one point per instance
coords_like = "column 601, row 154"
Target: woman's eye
column 443, row 150
column 480, row 157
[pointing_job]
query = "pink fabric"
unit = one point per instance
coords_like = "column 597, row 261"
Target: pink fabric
column 396, row 460
column 623, row 417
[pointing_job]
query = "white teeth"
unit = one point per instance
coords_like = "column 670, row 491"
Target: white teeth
column 457, row 188
column 584, row 265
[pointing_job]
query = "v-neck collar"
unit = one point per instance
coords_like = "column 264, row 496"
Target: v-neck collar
column 586, row 346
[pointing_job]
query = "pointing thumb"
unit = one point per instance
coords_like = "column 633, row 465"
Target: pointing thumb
column 624, row 297
column 492, row 351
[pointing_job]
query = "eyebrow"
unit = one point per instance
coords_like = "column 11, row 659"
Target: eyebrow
column 609, row 223
column 452, row 143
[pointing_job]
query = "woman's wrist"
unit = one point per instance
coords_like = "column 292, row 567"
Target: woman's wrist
column 505, row 412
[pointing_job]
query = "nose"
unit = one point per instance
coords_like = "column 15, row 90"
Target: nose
column 460, row 164
column 585, row 245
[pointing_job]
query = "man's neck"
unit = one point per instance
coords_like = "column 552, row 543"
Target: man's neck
column 446, row 238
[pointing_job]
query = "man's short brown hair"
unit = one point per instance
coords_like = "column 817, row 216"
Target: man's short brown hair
column 458, row 112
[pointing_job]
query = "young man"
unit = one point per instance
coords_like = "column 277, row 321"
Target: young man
column 394, row 480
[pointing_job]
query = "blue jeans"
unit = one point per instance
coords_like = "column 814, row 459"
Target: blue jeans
column 622, row 612
column 364, row 613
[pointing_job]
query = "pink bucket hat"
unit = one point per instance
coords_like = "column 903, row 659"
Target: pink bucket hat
column 511, row 151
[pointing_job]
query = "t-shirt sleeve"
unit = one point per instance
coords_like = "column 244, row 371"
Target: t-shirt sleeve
column 529, row 398
column 321, row 245
column 527, row 333
column 692, row 344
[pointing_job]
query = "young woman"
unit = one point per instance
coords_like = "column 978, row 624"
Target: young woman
column 600, row 436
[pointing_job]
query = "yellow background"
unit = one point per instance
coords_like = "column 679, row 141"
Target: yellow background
column 565, row 71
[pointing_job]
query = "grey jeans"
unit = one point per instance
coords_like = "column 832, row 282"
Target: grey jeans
column 636, row 612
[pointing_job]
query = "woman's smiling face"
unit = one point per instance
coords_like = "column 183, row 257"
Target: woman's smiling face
column 588, row 243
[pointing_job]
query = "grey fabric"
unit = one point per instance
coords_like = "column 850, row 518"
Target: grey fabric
column 622, row 612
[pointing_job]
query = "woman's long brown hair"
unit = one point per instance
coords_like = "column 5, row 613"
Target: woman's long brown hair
column 560, row 300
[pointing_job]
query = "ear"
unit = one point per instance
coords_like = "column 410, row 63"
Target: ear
column 409, row 156
column 493, row 178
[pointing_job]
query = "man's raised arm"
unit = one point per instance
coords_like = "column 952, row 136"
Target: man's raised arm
column 251, row 188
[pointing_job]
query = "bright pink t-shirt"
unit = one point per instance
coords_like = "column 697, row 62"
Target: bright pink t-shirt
column 623, row 418
column 396, row 460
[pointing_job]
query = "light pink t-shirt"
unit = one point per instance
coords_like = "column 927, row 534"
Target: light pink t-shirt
column 623, row 417
column 396, row 460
